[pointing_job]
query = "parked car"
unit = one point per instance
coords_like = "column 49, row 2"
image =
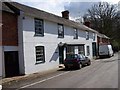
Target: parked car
column 105, row 50
column 76, row 61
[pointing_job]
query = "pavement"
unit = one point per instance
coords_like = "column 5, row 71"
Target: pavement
column 14, row 79
column 21, row 78
column 30, row 77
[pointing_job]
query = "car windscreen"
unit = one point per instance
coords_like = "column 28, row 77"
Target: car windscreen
column 82, row 57
column 73, row 56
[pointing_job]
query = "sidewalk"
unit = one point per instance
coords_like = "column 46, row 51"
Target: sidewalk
column 15, row 79
column 10, row 80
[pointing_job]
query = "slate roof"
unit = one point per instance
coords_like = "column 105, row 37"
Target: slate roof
column 5, row 8
column 102, row 35
column 48, row 16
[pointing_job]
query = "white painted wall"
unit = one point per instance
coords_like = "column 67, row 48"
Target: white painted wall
column 50, row 42
column 20, row 43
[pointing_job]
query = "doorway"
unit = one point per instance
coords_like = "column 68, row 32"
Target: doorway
column 94, row 49
column 11, row 63
column 61, row 55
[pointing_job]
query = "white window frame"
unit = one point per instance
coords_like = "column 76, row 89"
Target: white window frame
column 75, row 33
column 39, row 27
column 94, row 37
column 60, row 31
column 87, row 35
column 88, row 50
column 40, row 54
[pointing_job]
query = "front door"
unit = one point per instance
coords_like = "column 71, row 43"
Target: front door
column 11, row 63
column 61, row 54
column 94, row 49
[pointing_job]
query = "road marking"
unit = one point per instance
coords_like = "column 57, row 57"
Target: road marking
column 42, row 80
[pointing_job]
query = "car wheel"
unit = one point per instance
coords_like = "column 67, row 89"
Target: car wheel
column 66, row 67
column 89, row 63
column 80, row 66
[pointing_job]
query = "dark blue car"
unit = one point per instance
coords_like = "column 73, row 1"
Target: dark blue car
column 76, row 61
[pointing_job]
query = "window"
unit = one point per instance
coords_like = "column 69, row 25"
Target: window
column 60, row 31
column 39, row 27
column 81, row 49
column 93, row 36
column 88, row 50
column 75, row 33
column 87, row 35
column 69, row 50
column 40, row 57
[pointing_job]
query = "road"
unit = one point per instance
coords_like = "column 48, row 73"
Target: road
column 102, row 73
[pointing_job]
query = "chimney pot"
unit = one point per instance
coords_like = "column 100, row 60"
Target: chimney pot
column 65, row 14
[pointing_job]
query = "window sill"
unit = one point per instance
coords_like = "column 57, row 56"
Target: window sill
column 61, row 37
column 39, row 63
column 38, row 35
column 75, row 38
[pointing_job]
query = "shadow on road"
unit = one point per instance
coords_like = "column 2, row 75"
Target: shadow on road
column 106, row 61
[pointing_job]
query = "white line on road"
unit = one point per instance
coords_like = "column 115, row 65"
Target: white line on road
column 42, row 80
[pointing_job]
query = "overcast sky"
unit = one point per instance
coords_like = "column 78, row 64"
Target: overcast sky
column 76, row 7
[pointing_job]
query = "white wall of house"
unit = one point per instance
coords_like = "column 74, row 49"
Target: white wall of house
column 20, row 43
column 50, row 42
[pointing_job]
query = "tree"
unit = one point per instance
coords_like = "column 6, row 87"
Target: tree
column 101, row 16
column 105, row 18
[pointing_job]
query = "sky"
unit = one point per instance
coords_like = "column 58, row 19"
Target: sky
column 77, row 8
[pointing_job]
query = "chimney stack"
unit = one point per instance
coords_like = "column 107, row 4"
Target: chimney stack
column 65, row 14
column 87, row 23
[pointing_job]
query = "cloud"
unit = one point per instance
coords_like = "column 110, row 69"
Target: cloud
column 51, row 6
column 76, row 7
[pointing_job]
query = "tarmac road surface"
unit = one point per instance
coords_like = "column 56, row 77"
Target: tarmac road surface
column 102, row 73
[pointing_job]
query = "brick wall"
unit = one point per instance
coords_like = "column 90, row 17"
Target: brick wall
column 9, row 29
column 103, row 40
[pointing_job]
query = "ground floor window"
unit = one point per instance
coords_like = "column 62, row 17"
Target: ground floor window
column 70, row 50
column 81, row 49
column 40, row 56
column 88, row 50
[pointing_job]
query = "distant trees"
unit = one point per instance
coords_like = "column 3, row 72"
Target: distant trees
column 105, row 18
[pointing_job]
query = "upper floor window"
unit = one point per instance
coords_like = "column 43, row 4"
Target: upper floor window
column 60, row 31
column 40, row 56
column 39, row 27
column 75, row 33
column 87, row 35
column 93, row 36
column 88, row 50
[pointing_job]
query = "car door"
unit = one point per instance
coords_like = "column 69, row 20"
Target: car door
column 84, row 59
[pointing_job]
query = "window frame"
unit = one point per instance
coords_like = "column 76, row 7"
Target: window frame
column 60, row 36
column 88, row 50
column 94, row 37
column 75, row 33
column 87, row 35
column 81, row 49
column 43, row 55
column 42, row 27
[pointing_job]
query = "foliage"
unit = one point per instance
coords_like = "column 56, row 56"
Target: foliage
column 105, row 18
